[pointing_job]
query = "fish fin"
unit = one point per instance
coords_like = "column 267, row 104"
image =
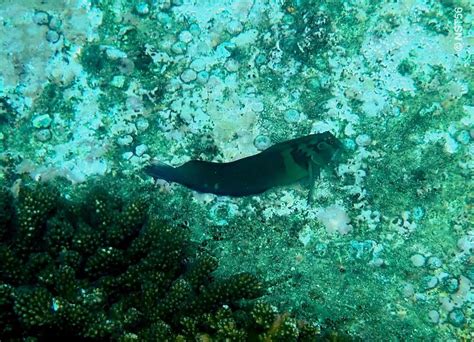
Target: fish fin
column 313, row 174
column 159, row 170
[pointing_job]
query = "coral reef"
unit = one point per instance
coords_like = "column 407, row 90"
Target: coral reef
column 100, row 266
column 386, row 250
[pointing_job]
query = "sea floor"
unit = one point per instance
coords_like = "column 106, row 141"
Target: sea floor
column 385, row 248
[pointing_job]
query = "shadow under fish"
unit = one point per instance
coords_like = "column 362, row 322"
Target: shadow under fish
column 282, row 164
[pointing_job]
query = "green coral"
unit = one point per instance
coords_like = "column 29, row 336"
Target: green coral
column 264, row 314
column 100, row 266
column 5, row 212
column 33, row 307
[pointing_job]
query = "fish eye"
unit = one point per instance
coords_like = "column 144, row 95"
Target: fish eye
column 323, row 145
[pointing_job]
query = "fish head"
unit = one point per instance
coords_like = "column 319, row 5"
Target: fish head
column 329, row 148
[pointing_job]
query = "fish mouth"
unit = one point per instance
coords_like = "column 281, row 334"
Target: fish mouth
column 340, row 153
column 336, row 155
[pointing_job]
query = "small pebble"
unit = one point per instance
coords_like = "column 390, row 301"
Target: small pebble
column 185, row 37
column 135, row 160
column 140, row 149
column 262, row 142
column 430, row 282
column 349, row 144
column 163, row 18
column 291, row 116
column 42, row 121
column 188, row 75
column 194, row 29
column 52, row 36
column 418, row 260
column 231, row 65
column 179, row 48
column 202, row 77
column 433, row 316
column 55, row 24
column 442, row 276
column 41, row 18
column 434, row 263
column 126, row 66
column 257, row 106
column 125, row 140
column 127, row 155
column 142, row 8
column 466, row 243
column 456, row 318
column 260, row 59
column 142, row 124
column 43, row 135
column 198, row 64
column 452, row 285
column 173, row 85
column 363, row 140
column 464, row 137
column 234, row 27
column 418, row 213
column 134, row 103
column 447, row 304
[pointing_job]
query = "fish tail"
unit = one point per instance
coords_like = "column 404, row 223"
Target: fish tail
column 161, row 171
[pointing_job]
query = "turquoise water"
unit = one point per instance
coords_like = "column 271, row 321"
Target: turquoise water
column 374, row 243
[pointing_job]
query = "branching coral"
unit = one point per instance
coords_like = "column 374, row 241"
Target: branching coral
column 102, row 267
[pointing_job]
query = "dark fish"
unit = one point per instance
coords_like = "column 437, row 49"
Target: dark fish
column 281, row 164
